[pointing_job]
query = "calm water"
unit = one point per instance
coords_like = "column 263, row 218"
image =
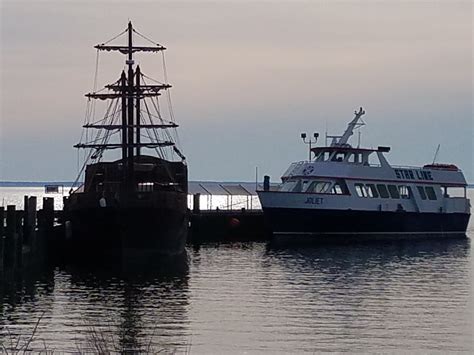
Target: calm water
column 237, row 298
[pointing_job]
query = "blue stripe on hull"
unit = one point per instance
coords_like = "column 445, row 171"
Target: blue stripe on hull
column 332, row 224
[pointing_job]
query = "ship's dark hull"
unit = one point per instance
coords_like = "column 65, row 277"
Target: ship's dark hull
column 349, row 225
column 137, row 228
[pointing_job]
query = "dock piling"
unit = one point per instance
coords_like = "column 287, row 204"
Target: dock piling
column 48, row 214
column 19, row 238
column 11, row 238
column 25, row 219
column 2, row 239
column 46, row 225
column 196, row 203
column 31, row 223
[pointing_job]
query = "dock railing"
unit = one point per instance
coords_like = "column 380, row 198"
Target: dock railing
column 223, row 196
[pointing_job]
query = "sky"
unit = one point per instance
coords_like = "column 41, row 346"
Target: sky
column 248, row 77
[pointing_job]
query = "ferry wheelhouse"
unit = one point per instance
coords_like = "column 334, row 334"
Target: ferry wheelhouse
column 354, row 193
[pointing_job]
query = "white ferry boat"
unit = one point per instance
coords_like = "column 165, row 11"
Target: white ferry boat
column 345, row 192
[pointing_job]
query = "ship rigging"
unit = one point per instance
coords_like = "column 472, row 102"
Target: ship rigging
column 137, row 203
column 133, row 120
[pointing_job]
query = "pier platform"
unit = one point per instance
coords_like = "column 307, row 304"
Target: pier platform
column 227, row 225
column 31, row 236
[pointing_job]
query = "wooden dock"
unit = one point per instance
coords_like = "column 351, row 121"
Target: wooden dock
column 25, row 235
column 227, row 225
column 31, row 236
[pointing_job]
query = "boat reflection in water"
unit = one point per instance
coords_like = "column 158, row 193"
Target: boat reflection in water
column 362, row 255
column 376, row 294
column 121, row 309
column 148, row 305
column 394, row 296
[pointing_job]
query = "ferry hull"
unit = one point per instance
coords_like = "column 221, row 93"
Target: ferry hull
column 348, row 225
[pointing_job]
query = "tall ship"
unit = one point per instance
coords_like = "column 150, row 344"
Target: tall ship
column 346, row 193
column 135, row 201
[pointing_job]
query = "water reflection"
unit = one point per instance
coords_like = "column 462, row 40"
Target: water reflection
column 252, row 297
column 17, row 291
column 121, row 309
column 382, row 293
column 361, row 256
column 24, row 287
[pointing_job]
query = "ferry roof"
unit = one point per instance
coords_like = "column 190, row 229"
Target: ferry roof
column 214, row 188
column 348, row 149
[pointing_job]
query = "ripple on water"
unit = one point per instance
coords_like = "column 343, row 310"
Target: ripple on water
column 252, row 297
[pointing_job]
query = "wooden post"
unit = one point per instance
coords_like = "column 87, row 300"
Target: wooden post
column 10, row 238
column 26, row 233
column 196, row 203
column 32, row 215
column 48, row 213
column 47, row 224
column 19, row 238
column 2, row 240
column 2, row 221
column 2, row 254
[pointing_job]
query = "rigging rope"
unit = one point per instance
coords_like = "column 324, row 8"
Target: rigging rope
column 160, row 152
column 156, row 104
column 112, row 114
column 168, row 97
column 146, row 38
column 94, row 87
column 117, row 36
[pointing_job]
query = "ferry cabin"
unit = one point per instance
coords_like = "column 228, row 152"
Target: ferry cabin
column 343, row 178
column 355, row 190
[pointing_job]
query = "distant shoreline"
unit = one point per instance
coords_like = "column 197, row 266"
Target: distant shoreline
column 35, row 183
column 71, row 183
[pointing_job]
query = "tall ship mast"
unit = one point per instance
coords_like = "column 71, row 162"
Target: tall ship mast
column 137, row 203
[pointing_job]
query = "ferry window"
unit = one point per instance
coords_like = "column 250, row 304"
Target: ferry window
column 393, row 191
column 145, row 186
column 405, row 191
column 305, row 185
column 430, row 192
column 311, row 186
column 372, row 191
column 336, row 189
column 297, row 187
column 354, row 158
column 338, row 157
column 288, row 186
column 421, row 191
column 455, row 191
column 383, row 192
column 360, row 190
column 319, row 186
column 365, row 159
